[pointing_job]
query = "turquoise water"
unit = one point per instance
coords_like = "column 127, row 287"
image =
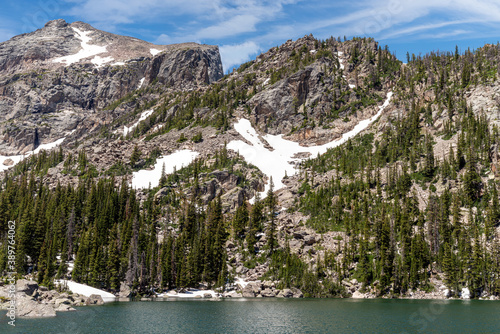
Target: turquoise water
column 273, row 316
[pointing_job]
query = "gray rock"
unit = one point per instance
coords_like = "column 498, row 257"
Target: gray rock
column 29, row 308
column 94, row 300
column 248, row 292
column 27, row 287
column 232, row 294
column 255, row 286
column 207, row 295
column 309, row 240
column 287, row 293
column 48, row 99
column 125, row 291
column 268, row 293
column 161, row 193
column 64, row 308
column 297, row 293
column 62, row 300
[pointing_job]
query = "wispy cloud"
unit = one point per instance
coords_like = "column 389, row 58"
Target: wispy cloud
column 236, row 24
column 419, row 28
column 447, row 34
column 236, row 54
column 398, row 18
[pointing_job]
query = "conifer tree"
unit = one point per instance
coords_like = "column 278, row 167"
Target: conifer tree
column 271, row 228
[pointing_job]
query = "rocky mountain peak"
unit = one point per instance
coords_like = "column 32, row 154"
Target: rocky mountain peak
column 59, row 78
column 59, row 23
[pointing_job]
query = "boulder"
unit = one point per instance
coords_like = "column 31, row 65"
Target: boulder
column 268, row 284
column 286, row 293
column 125, row 291
column 64, row 308
column 232, row 294
column 94, row 300
column 248, row 292
column 8, row 162
column 309, row 240
column 161, row 193
column 27, row 287
column 358, row 295
column 241, row 270
column 207, row 295
column 61, row 300
column 268, row 293
column 255, row 286
column 297, row 293
column 29, row 308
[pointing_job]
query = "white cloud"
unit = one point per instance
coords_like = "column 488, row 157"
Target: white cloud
column 233, row 26
column 232, row 55
column 446, row 34
column 420, row 28
column 384, row 19
column 244, row 26
column 129, row 11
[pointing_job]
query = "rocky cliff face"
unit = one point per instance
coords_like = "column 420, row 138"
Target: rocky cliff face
column 60, row 78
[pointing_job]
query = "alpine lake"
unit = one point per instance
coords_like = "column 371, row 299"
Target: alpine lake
column 272, row 316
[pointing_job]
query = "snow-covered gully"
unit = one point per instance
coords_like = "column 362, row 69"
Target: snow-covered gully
column 281, row 159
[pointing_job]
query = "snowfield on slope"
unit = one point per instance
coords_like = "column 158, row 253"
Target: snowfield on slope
column 144, row 115
column 154, row 52
column 275, row 163
column 145, row 178
column 86, row 290
column 18, row 158
column 88, row 50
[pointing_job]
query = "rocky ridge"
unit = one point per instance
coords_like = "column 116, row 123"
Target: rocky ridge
column 53, row 81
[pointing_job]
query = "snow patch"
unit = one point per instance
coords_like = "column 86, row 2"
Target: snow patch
column 465, row 293
column 280, row 160
column 191, row 293
column 176, row 160
column 340, row 53
column 86, row 290
column 241, row 282
column 312, row 51
column 352, row 86
column 154, row 52
column 141, row 82
column 266, row 82
column 4, row 159
column 144, row 115
column 99, row 61
column 87, row 50
column 118, row 63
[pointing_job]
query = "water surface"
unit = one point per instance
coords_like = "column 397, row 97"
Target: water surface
column 273, row 316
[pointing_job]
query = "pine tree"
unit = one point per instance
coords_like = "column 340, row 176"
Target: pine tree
column 271, row 228
column 240, row 220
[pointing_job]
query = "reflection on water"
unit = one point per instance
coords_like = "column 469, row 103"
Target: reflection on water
column 273, row 316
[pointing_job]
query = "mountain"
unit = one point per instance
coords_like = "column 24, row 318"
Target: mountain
column 322, row 168
column 58, row 78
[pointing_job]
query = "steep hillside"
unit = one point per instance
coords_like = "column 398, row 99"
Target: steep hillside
column 60, row 78
column 321, row 168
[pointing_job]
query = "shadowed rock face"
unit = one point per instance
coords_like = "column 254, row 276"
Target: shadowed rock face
column 39, row 91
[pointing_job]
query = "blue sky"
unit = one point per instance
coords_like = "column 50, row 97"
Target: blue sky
column 245, row 28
